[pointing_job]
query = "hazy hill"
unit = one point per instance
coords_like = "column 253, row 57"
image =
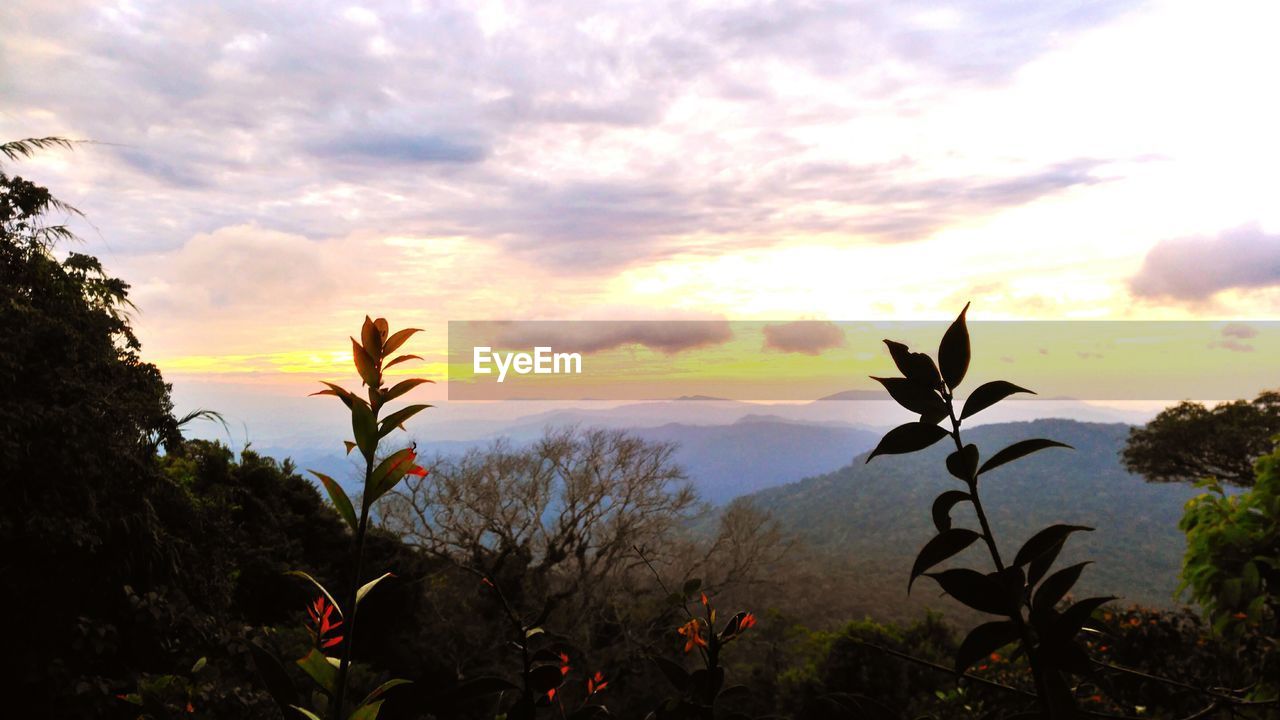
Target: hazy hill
column 875, row 517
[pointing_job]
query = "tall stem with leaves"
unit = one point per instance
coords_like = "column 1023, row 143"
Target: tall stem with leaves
column 1019, row 593
column 373, row 356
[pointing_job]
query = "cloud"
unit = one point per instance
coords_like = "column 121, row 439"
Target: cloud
column 1239, row 330
column 666, row 336
column 1195, row 269
column 393, row 148
column 809, row 337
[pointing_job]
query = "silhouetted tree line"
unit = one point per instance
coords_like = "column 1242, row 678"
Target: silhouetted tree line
column 146, row 575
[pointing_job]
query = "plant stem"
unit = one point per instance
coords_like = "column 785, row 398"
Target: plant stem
column 340, row 692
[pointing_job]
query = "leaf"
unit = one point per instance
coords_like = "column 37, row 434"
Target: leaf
column 383, row 688
column 942, row 508
column 675, row 674
column 305, row 712
column 366, row 712
column 914, row 366
column 401, row 358
column 547, row 677
column 397, row 418
column 972, row 588
column 274, row 677
column 989, row 394
column 1056, row 586
column 346, row 396
column 1044, row 542
column 1017, row 450
column 319, row 669
column 365, row 588
column 365, row 427
column 371, row 339
column 321, row 588
column 944, row 545
column 953, row 351
column 341, row 502
column 691, row 586
column 1073, row 618
column 963, row 463
column 388, row 473
column 402, row 387
column 913, row 396
column 705, row 683
column 394, row 342
column 364, row 364
column 908, row 437
column 984, row 640
column 586, row 712
column 480, row 687
column 199, row 665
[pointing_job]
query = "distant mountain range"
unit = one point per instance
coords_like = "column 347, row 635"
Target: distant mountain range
column 873, row 518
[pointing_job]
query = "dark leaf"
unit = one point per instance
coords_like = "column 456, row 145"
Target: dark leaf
column 972, row 588
column 365, row 427
column 547, row 677
column 522, row 710
column 914, row 366
column 1017, row 450
column 1056, row 586
column 397, row 419
column 364, row 364
column 397, row 339
column 953, row 351
column 942, row 508
column 480, row 687
column 691, row 586
column 944, row 545
column 403, row 387
column 915, row 397
column 675, row 674
column 963, row 463
column 274, row 677
column 908, row 437
column 341, row 502
column 989, row 394
column 371, row 339
column 1074, row 617
column 705, row 684
column 587, row 712
column 984, row 640
column 1044, row 541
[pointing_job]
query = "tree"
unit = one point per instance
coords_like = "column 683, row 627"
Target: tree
column 1189, row 442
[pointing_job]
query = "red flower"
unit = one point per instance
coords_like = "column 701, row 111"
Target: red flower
column 564, row 664
column 596, row 683
column 551, row 694
column 321, row 612
column 692, row 632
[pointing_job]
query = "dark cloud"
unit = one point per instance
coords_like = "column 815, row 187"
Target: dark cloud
column 809, row 337
column 1195, row 269
column 667, row 336
column 404, row 149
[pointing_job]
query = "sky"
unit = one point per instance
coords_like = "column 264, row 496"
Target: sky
column 266, row 173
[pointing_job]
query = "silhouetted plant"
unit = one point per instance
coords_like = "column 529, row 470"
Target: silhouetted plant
column 1022, row 593
column 372, row 357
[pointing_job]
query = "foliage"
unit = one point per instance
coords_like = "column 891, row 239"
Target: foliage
column 1189, row 442
column 1022, row 593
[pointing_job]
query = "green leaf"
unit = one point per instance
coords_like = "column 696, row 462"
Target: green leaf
column 984, row 640
column 402, row 387
column 944, row 545
column 367, row 712
column 388, row 473
column 1017, row 450
column 963, row 463
column 397, row 339
column 304, row 712
column 972, row 588
column 339, row 497
column 989, row 394
column 321, row 588
column 953, row 351
column 942, row 508
column 365, row 427
column 1056, row 586
column 364, row 364
column 320, row 669
column 914, row 396
column 383, row 688
column 365, row 588
column 397, row 418
column 906, row 438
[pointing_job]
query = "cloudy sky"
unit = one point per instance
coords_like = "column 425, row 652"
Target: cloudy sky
column 265, row 173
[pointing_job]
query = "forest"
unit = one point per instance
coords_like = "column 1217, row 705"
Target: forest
column 148, row 575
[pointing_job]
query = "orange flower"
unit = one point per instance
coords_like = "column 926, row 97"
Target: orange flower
column 748, row 621
column 692, row 632
column 705, row 602
column 596, row 683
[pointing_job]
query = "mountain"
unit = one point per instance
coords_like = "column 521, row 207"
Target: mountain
column 874, row 518
column 757, row 452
